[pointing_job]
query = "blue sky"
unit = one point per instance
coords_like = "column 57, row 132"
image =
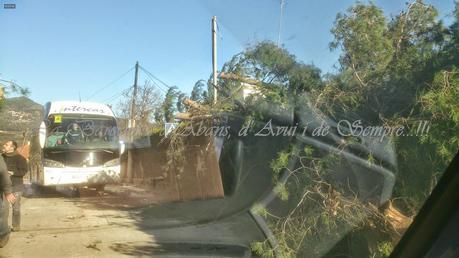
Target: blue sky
column 63, row 49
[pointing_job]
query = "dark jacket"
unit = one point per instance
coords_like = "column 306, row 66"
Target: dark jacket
column 74, row 136
column 5, row 181
column 18, row 164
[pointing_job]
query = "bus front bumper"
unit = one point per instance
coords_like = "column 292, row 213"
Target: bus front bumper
column 81, row 176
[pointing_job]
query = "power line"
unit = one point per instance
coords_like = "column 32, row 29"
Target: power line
column 214, row 59
column 282, row 2
column 110, row 83
column 219, row 33
column 156, row 84
column 152, row 80
column 154, row 77
column 117, row 95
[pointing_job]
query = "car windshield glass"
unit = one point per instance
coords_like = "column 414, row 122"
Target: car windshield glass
column 224, row 128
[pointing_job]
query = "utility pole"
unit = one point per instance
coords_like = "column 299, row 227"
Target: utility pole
column 134, row 95
column 127, row 176
column 214, row 56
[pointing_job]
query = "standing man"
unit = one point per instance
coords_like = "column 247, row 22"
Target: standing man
column 17, row 168
column 6, row 197
column 74, row 134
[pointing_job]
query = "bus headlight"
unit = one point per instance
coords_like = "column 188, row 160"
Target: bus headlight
column 52, row 163
column 112, row 163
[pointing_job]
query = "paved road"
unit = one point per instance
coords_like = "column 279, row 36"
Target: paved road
column 110, row 225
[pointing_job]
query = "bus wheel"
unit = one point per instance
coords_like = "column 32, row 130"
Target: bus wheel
column 75, row 191
column 100, row 188
column 35, row 189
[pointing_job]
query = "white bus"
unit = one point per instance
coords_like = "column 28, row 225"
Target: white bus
column 78, row 145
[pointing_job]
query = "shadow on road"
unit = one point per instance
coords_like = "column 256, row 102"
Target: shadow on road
column 182, row 249
column 38, row 191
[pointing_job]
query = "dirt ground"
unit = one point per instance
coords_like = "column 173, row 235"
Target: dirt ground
column 112, row 224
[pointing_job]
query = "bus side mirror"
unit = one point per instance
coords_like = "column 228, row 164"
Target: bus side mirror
column 122, row 147
column 42, row 134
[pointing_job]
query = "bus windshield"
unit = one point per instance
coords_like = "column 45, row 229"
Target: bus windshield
column 81, row 132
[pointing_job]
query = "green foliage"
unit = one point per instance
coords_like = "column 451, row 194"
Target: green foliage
column 12, row 87
column 391, row 73
column 169, row 104
column 281, row 191
column 268, row 63
column 396, row 72
column 259, row 210
column 361, row 33
column 158, row 114
column 158, row 130
column 198, row 93
column 441, row 105
column 262, row 249
column 180, row 98
column 383, row 64
column 280, row 75
column 308, row 150
column 320, row 208
column 280, row 163
column 385, row 249
column 450, row 55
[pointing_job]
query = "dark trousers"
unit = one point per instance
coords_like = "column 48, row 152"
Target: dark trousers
column 16, row 221
column 4, row 227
